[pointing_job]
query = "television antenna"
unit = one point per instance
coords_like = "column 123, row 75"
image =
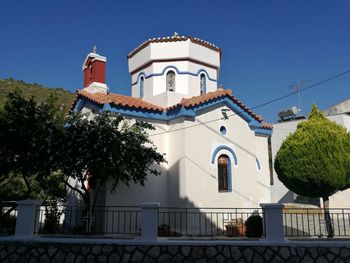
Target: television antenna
column 297, row 89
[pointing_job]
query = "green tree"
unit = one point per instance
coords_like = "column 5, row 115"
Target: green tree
column 107, row 149
column 315, row 160
column 28, row 148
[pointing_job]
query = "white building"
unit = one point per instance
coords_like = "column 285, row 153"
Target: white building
column 279, row 193
column 215, row 146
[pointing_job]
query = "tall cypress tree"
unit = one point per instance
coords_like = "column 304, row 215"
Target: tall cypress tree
column 315, row 160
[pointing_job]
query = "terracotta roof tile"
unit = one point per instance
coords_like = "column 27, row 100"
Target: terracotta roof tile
column 119, row 100
column 126, row 101
column 194, row 101
column 174, row 39
column 132, row 102
column 197, row 100
column 266, row 125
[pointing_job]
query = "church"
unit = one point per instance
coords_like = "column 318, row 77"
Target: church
column 216, row 147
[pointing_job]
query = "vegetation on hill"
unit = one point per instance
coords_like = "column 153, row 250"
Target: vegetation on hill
column 37, row 91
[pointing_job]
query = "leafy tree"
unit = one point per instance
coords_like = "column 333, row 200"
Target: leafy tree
column 315, row 160
column 106, row 149
column 28, row 148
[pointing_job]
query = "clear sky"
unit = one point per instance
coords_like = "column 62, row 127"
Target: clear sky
column 267, row 45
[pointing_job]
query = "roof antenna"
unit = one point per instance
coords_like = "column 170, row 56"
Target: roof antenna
column 296, row 88
column 94, row 49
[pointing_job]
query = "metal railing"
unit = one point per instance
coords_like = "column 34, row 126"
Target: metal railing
column 310, row 222
column 8, row 217
column 78, row 220
column 213, row 223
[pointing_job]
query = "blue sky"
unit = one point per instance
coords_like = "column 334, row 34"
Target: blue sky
column 267, row 45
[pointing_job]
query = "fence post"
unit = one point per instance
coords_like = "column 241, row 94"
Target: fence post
column 26, row 218
column 149, row 221
column 273, row 218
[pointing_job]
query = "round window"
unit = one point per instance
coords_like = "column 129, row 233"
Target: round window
column 223, row 130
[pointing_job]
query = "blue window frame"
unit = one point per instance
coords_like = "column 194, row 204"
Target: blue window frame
column 203, row 84
column 141, row 87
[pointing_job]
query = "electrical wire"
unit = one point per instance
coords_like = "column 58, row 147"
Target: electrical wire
column 260, row 105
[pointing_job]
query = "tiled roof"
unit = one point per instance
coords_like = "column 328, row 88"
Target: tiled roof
column 119, row 100
column 131, row 102
column 195, row 101
column 174, row 38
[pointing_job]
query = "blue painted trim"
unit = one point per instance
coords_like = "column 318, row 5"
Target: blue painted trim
column 78, row 106
column 177, row 72
column 138, row 113
column 204, row 83
column 229, row 103
column 260, row 131
column 223, row 130
column 142, row 80
column 106, row 107
column 258, row 164
column 223, row 147
column 229, row 175
column 179, row 112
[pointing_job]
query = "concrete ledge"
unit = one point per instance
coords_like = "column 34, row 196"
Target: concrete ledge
column 161, row 241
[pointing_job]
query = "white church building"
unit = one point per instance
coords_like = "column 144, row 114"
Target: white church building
column 216, row 148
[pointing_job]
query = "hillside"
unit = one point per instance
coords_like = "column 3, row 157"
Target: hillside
column 39, row 92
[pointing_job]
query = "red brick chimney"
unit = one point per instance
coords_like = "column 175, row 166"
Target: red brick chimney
column 94, row 68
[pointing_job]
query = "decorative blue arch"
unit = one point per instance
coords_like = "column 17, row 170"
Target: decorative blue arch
column 142, row 80
column 177, row 72
column 200, row 71
column 258, row 164
column 223, row 147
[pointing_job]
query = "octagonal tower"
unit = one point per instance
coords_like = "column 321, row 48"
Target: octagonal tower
column 165, row 70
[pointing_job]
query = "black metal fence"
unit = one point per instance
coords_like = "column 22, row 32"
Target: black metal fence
column 78, row 220
column 310, row 222
column 213, row 223
column 8, row 216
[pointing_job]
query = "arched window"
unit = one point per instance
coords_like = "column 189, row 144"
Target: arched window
column 141, row 87
column 203, row 83
column 170, row 81
column 224, row 176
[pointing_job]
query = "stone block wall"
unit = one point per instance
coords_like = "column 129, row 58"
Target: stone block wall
column 16, row 251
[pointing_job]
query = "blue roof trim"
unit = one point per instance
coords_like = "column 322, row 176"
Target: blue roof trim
column 181, row 111
column 177, row 71
column 229, row 103
column 262, row 131
column 78, row 105
column 134, row 112
column 223, row 147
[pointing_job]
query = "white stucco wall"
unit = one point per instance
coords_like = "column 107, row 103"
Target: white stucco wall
column 279, row 193
column 198, row 176
column 157, row 59
column 174, row 50
column 155, row 189
column 190, row 179
column 187, row 81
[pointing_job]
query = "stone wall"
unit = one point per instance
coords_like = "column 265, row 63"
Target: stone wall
column 15, row 251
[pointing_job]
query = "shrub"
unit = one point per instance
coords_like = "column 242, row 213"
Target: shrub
column 7, row 224
column 52, row 219
column 254, row 226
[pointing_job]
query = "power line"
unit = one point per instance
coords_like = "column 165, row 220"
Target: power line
column 260, row 105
